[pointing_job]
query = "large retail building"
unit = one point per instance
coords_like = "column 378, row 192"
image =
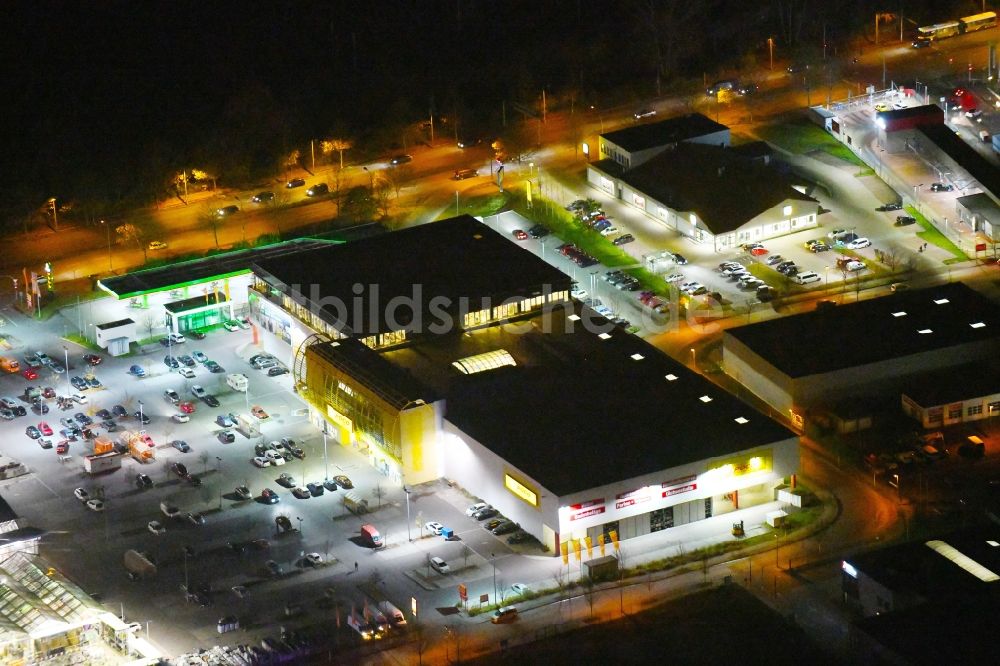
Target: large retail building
column 445, row 350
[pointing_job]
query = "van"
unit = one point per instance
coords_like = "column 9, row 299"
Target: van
column 370, row 534
column 238, row 382
column 396, row 618
column 462, row 174
column 805, row 278
column 227, row 624
column 504, row 614
column 9, row 364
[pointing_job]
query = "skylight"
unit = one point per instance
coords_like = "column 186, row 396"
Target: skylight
column 899, row 314
column 924, row 331
column 977, row 324
column 992, row 543
column 491, row 360
column 574, row 317
column 637, row 356
column 705, row 399
column 940, row 301
column 604, row 336
column 671, row 377
column 962, row 560
column 741, row 420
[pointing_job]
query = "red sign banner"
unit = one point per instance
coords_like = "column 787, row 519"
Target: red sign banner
column 586, row 505
column 679, row 489
column 588, row 513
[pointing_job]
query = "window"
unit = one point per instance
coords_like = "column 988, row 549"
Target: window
column 477, row 318
column 661, row 519
column 973, row 410
column 504, row 311
column 955, row 412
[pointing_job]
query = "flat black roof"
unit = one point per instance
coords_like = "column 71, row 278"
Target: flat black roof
column 724, row 187
column 878, row 329
column 578, row 411
column 205, row 269
column 388, row 282
column 664, row 132
column 115, row 324
column 927, row 571
column 980, row 168
column 956, row 384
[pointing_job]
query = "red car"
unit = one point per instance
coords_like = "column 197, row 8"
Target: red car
column 62, row 447
column 29, row 373
column 44, row 427
column 758, row 251
column 147, row 439
column 186, row 407
column 49, row 392
column 520, row 234
column 92, row 359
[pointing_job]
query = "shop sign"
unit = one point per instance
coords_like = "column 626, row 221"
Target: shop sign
column 632, row 498
column 679, row 489
column 521, row 490
column 587, row 513
column 339, row 419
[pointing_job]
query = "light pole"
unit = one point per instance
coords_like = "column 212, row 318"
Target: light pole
column 493, row 559
column 326, row 461
column 371, row 179
column 300, row 525
column 107, row 228
column 694, row 359
column 407, row 491
column 770, row 51
column 140, row 413
column 55, row 213
column 66, row 358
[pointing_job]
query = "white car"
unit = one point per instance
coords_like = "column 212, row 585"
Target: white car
column 261, row 461
column 313, row 559
column 689, row 287
column 275, row 458
column 520, row 588
column 609, row 231
column 242, row 322
column 156, row 527
column 186, row 373
column 176, row 339
column 859, row 243
column 855, row 266
column 198, row 391
column 579, row 294
column 674, row 277
column 231, row 326
column 95, row 505
column 81, row 494
column 805, row 278
column 434, row 527
column 439, row 565
column 80, row 398
column 475, row 507
column 180, row 418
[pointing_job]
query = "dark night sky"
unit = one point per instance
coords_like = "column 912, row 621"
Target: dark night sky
column 100, row 95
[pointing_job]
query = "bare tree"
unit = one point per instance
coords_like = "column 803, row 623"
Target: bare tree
column 203, row 459
column 893, row 257
column 208, row 218
column 397, row 176
column 381, row 195
column 129, row 233
column 466, row 552
column 150, row 322
column 378, row 492
column 588, row 589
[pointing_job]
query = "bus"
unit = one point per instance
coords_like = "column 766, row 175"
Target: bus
column 979, row 21
column 932, row 33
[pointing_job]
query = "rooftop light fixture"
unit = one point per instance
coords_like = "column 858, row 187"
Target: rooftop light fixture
column 671, row 377
column 637, row 356
column 941, row 301
column 741, row 420
column 977, row 324
column 962, row 560
column 705, row 399
column 924, row 331
column 574, row 317
column 604, row 336
column 899, row 314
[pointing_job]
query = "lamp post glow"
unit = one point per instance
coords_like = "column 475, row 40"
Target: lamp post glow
column 107, row 228
column 407, row 491
column 770, row 51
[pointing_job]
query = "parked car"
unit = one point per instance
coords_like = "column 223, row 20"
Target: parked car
column 439, row 565
column 180, row 445
column 295, row 182
column 889, row 207
column 904, row 220
column 343, row 481
column 137, row 371
column 942, row 187
column 859, row 243
column 226, row 211
column 262, row 197
column 226, row 437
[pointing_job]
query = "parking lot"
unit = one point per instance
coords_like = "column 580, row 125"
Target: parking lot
column 88, row 546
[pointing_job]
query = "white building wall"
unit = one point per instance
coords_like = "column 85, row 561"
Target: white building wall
column 481, row 471
column 754, row 373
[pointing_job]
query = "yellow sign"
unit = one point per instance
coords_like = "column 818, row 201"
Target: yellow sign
column 756, row 461
column 519, row 489
column 339, row 419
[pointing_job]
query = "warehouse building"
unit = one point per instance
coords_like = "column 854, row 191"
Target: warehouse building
column 445, row 350
column 873, row 348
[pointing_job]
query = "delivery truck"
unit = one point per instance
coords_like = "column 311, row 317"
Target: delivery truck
column 138, row 564
column 371, row 536
column 102, row 462
column 355, row 503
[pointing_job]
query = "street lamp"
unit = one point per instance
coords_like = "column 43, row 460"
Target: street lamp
column 140, row 413
column 407, row 491
column 66, row 358
column 326, row 461
column 55, row 214
column 694, row 359
column 770, row 51
column 107, row 227
column 493, row 559
column 300, row 525
column 371, row 178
